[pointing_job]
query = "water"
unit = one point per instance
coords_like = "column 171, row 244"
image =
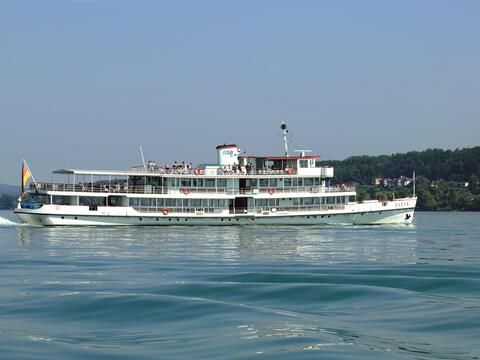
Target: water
column 398, row 292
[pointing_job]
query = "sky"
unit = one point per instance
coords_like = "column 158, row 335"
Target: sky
column 83, row 83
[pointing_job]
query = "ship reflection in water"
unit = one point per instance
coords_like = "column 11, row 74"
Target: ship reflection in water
column 397, row 243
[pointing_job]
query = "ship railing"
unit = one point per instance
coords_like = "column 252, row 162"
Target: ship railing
column 226, row 170
column 299, row 208
column 150, row 189
column 251, row 210
column 179, row 210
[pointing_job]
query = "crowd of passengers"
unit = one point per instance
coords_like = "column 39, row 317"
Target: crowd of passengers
column 236, row 169
column 176, row 168
column 105, row 187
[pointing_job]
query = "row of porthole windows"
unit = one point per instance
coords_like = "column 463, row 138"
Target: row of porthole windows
column 222, row 219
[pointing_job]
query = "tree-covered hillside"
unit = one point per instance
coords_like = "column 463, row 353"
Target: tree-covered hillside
column 446, row 179
column 434, row 164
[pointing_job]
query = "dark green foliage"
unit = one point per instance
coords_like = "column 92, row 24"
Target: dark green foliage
column 434, row 164
column 446, row 179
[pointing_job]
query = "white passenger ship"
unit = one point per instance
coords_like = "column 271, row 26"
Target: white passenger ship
column 237, row 190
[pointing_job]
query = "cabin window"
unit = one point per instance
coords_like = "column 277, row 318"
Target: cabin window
column 317, row 201
column 210, row 183
column 317, row 181
column 308, row 201
column 331, row 200
column 91, row 200
column 272, row 202
column 263, row 182
column 303, row 163
column 186, row 182
column 308, row 182
column 160, row 202
column 222, row 183
column 197, row 182
column 298, row 201
column 273, row 182
column 38, row 198
column 63, row 200
column 261, row 202
column 196, row 202
column 169, row 202
column 287, row 182
column 251, row 182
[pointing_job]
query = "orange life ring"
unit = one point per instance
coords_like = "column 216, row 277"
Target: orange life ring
column 289, row 171
column 165, row 211
column 186, row 190
column 271, row 190
column 196, row 171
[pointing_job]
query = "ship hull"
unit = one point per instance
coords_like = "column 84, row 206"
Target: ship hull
column 393, row 216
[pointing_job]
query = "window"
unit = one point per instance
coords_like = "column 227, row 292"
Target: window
column 298, row 201
column 64, row 200
column 261, row 202
column 146, row 202
column 287, row 182
column 169, row 202
column 303, row 163
column 196, row 202
column 186, row 182
column 197, row 182
column 272, row 202
column 308, row 201
column 308, row 182
column 133, row 202
column 263, row 182
column 222, row 183
column 273, row 182
column 210, row 183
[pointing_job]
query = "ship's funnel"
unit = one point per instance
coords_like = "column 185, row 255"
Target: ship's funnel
column 228, row 154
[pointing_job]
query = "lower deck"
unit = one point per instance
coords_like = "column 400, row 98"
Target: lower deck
column 373, row 212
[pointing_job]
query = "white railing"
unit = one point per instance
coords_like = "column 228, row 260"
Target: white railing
column 184, row 190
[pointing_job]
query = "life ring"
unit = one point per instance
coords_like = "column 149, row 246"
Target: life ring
column 186, row 190
column 165, row 211
column 271, row 190
column 196, row 171
column 289, row 171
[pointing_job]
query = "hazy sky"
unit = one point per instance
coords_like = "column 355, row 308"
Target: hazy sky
column 84, row 82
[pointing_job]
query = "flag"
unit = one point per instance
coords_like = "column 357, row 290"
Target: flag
column 26, row 174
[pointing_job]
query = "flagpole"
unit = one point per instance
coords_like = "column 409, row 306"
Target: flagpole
column 413, row 183
column 31, row 174
column 25, row 166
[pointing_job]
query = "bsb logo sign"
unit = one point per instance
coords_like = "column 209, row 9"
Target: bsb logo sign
column 228, row 152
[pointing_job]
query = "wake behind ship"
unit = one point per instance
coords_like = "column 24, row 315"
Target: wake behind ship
column 237, row 190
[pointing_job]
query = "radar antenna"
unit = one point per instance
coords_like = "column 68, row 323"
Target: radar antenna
column 283, row 126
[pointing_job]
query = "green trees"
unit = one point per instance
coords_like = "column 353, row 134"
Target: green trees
column 446, row 179
column 434, row 164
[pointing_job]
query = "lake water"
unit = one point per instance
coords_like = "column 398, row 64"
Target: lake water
column 371, row 292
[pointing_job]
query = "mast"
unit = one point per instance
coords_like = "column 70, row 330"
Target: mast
column 413, row 183
column 283, row 126
column 143, row 159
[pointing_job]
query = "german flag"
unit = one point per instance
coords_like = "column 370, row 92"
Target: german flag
column 26, row 174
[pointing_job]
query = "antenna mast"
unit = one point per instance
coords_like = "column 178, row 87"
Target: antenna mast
column 283, row 126
column 143, row 159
